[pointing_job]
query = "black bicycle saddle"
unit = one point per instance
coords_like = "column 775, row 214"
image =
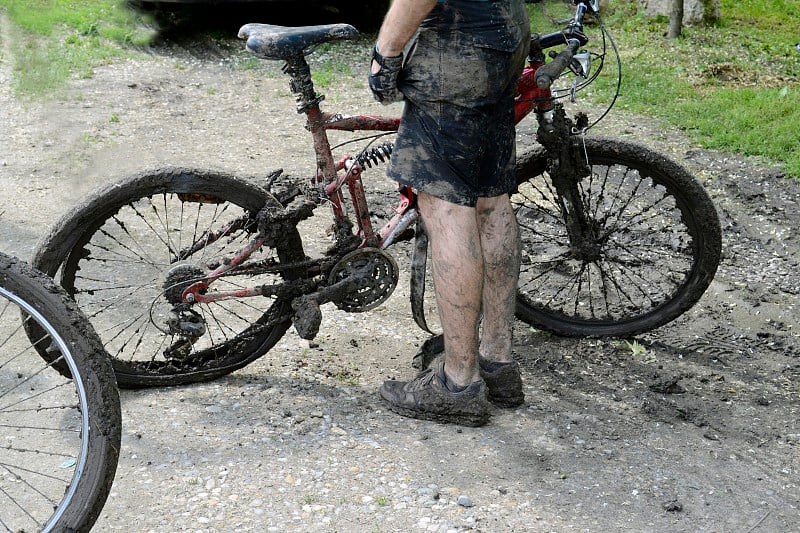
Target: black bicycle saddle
column 281, row 42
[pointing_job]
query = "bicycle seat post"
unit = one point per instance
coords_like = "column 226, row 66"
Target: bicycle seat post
column 302, row 86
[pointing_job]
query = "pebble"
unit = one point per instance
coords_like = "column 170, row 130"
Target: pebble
column 465, row 501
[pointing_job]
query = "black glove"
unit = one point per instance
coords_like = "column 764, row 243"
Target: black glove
column 383, row 83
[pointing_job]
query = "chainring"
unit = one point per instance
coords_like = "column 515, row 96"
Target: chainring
column 382, row 275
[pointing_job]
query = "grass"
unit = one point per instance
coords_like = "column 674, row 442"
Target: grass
column 328, row 67
column 731, row 86
column 56, row 39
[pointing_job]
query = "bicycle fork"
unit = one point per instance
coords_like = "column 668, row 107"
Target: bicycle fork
column 568, row 166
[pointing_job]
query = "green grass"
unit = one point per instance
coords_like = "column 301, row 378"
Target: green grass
column 732, row 86
column 55, row 39
column 326, row 71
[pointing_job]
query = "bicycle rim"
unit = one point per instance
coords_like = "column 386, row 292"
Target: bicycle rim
column 655, row 247
column 147, row 240
column 61, row 435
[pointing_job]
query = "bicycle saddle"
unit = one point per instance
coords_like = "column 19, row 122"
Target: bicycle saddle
column 280, row 42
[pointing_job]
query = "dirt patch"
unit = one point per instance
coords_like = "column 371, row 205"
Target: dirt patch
column 735, row 76
column 693, row 427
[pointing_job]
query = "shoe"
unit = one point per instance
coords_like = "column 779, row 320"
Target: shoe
column 427, row 397
column 504, row 382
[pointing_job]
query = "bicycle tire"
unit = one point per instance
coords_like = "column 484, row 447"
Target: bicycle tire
column 61, row 436
column 657, row 249
column 113, row 254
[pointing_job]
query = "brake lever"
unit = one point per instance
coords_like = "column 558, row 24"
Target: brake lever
column 579, row 65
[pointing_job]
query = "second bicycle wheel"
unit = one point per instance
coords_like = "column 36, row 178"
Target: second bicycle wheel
column 127, row 253
column 60, row 436
column 654, row 250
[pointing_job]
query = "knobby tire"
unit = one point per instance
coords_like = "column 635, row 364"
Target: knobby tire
column 116, row 251
column 62, row 434
column 656, row 248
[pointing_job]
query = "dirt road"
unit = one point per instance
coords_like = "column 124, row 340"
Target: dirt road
column 692, row 428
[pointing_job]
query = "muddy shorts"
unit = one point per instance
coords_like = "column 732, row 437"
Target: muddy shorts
column 457, row 138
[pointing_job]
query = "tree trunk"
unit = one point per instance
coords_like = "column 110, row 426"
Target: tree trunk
column 675, row 19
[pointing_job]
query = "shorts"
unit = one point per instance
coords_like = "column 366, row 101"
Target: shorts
column 456, row 139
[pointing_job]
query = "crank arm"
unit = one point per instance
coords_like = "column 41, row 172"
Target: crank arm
column 307, row 313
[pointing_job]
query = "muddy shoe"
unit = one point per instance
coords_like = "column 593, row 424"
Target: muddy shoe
column 427, row 397
column 503, row 381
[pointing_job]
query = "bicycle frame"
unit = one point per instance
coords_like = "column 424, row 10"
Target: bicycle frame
column 331, row 177
column 529, row 98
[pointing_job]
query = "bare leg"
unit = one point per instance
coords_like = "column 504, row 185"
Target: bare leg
column 501, row 256
column 458, row 274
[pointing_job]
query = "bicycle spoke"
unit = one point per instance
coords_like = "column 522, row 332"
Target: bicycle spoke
column 128, row 271
column 636, row 254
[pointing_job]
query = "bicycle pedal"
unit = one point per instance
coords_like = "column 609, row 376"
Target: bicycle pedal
column 307, row 317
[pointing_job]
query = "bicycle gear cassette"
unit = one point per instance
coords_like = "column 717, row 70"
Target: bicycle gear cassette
column 380, row 275
column 179, row 278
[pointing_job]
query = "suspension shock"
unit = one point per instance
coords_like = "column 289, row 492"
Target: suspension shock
column 375, row 156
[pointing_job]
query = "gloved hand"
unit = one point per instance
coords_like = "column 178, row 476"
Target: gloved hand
column 383, row 82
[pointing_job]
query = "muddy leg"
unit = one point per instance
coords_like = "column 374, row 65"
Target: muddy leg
column 457, row 265
column 501, row 255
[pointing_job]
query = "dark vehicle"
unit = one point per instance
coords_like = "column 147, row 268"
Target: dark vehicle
column 364, row 15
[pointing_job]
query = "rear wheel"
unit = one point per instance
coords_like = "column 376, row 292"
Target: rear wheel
column 127, row 254
column 61, row 436
column 655, row 247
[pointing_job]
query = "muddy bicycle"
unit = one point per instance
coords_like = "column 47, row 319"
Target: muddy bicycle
column 188, row 274
column 60, row 416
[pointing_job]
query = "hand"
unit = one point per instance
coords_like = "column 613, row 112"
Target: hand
column 383, row 77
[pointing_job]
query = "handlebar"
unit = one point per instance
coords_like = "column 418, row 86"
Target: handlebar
column 546, row 74
column 572, row 36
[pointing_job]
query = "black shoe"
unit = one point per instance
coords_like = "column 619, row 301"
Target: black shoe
column 504, row 382
column 428, row 398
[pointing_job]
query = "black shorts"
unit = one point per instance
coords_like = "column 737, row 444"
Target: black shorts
column 456, row 137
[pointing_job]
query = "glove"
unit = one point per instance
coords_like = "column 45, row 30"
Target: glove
column 383, row 83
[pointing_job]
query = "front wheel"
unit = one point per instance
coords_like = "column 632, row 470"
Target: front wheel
column 128, row 252
column 653, row 245
column 61, row 434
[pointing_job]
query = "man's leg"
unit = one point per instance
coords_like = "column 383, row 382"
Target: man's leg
column 455, row 392
column 458, row 275
column 499, row 235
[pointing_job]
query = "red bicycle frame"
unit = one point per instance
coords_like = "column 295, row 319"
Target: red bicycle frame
column 332, row 177
column 529, row 97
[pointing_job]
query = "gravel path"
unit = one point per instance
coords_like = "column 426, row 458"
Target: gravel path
column 299, row 441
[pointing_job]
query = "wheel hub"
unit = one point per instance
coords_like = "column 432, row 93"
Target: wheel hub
column 179, row 278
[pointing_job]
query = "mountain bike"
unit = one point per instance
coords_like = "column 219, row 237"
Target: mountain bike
column 189, row 274
column 60, row 416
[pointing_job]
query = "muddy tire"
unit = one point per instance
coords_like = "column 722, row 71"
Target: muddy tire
column 127, row 253
column 62, row 434
column 656, row 249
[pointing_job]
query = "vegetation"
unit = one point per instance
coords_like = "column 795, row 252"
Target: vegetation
column 54, row 39
column 732, row 86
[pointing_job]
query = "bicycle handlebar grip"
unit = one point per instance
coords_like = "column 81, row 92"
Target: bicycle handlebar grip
column 547, row 73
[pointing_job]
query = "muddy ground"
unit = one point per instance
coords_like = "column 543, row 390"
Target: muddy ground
column 692, row 428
